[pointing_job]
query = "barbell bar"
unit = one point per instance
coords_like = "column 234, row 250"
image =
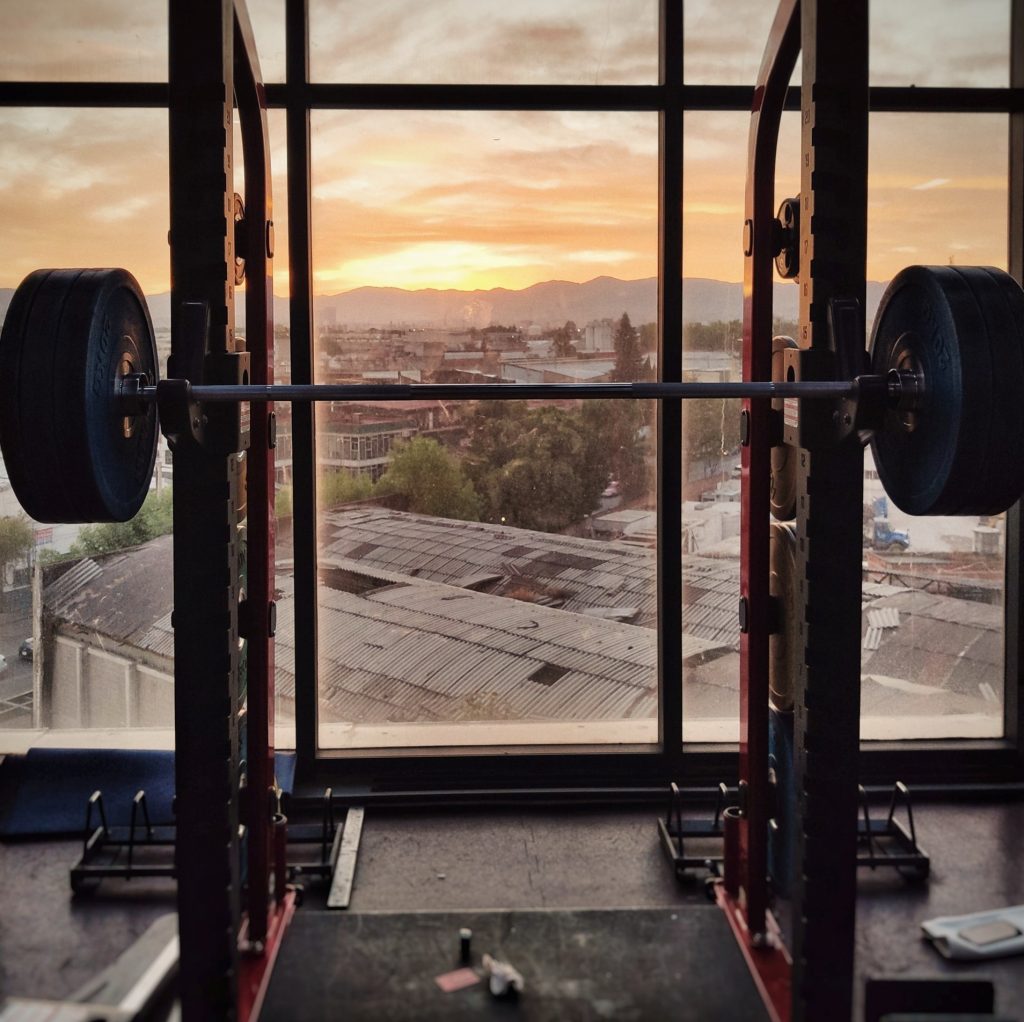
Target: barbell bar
column 943, row 400
column 895, row 387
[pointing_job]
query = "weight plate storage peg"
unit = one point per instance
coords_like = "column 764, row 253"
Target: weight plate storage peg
column 784, row 456
column 74, row 452
column 946, row 454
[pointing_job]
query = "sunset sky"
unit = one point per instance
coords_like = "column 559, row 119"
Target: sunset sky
column 481, row 200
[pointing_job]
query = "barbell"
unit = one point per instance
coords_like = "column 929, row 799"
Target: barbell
column 943, row 401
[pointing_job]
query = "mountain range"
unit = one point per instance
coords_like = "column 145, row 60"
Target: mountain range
column 548, row 304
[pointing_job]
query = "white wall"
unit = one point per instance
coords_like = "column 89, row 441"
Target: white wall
column 102, row 687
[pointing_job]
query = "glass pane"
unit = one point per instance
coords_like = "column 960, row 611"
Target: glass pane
column 284, row 562
column 122, row 41
column 937, row 191
column 66, row 40
column 101, row 654
column 941, row 43
column 723, row 43
column 486, row 568
column 916, row 42
column 929, row 202
column 268, row 27
column 474, row 202
column 284, row 644
column 714, row 177
column 588, row 42
column 933, row 587
column 68, row 197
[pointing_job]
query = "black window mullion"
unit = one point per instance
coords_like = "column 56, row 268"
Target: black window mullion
column 1013, row 703
column 670, row 366
column 337, row 95
column 356, row 96
column 300, row 270
column 124, row 95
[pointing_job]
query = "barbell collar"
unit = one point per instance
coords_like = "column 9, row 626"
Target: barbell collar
column 905, row 389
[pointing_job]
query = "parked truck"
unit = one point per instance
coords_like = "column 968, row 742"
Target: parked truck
column 877, row 530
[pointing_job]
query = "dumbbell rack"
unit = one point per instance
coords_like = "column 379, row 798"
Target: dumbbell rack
column 223, row 520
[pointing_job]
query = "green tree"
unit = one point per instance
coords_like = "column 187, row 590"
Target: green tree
column 283, row 502
column 155, row 518
column 495, row 429
column 711, row 430
column 618, row 427
column 540, row 469
column 16, row 540
column 563, row 338
column 648, row 336
column 720, row 335
column 431, row 480
column 342, row 487
column 629, row 365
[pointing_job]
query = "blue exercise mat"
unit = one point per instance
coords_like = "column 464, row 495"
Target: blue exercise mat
column 44, row 793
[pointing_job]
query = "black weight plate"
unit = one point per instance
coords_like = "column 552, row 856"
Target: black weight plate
column 1014, row 367
column 783, row 479
column 15, row 442
column 29, row 437
column 929, row 314
column 1005, row 480
column 108, row 313
column 62, row 423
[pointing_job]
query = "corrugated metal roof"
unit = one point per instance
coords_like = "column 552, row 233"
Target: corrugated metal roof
column 59, row 592
column 121, row 595
column 426, row 651
column 574, row 573
column 406, row 648
column 946, row 643
column 884, row 617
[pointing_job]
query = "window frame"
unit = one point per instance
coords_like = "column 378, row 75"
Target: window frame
column 581, row 771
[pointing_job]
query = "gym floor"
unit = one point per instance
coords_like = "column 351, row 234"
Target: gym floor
column 454, row 862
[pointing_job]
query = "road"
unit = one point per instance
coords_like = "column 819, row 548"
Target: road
column 16, row 680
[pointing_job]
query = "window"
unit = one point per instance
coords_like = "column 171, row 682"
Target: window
column 593, row 42
column 495, row 577
column 87, row 668
column 481, row 211
column 934, row 635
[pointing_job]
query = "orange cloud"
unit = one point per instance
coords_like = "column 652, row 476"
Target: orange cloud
column 469, row 199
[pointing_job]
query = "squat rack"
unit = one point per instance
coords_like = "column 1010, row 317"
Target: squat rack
column 212, row 61
column 833, row 254
column 224, row 570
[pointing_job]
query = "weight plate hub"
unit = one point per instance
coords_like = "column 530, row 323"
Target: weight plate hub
column 72, row 454
column 954, row 452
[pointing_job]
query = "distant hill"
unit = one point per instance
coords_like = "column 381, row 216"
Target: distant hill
column 548, row 304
